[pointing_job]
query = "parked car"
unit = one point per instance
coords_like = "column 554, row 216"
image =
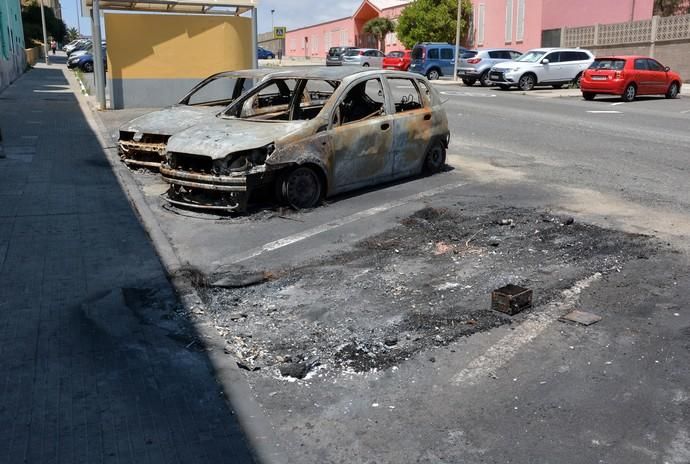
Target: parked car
column 434, row 59
column 143, row 140
column 363, row 57
column 399, row 60
column 70, row 45
column 81, row 45
column 474, row 65
column 264, row 54
column 629, row 76
column 542, row 66
column 335, row 55
column 309, row 134
column 85, row 62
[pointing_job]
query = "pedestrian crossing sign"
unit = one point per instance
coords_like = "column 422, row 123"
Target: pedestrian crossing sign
column 279, row 32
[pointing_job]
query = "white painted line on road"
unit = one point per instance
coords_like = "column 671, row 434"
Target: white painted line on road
column 618, row 103
column 605, row 112
column 283, row 242
column 685, row 112
column 456, row 93
column 510, row 345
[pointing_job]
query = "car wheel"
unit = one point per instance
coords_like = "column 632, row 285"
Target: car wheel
column 484, row 80
column 302, row 188
column 435, row 158
column 629, row 93
column 557, row 86
column 672, row 91
column 577, row 80
column 365, row 65
column 589, row 96
column 527, row 82
column 503, row 86
column 88, row 67
column 469, row 82
column 433, row 74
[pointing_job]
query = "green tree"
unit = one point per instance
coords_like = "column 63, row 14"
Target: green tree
column 380, row 28
column 671, row 7
column 72, row 34
column 33, row 30
column 433, row 21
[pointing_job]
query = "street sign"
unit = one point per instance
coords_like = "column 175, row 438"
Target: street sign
column 279, row 32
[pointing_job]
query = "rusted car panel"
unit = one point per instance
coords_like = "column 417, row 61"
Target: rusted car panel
column 143, row 140
column 360, row 131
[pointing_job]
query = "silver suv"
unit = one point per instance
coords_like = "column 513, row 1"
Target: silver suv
column 542, row 66
column 363, row 57
column 474, row 65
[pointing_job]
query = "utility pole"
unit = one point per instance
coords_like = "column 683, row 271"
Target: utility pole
column 272, row 25
column 45, row 33
column 457, row 42
column 78, row 17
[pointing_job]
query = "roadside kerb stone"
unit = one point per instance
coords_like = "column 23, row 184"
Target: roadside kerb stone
column 256, row 426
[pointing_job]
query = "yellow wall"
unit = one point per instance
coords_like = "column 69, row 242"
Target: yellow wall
column 148, row 46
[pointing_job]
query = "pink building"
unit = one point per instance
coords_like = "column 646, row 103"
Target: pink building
column 314, row 41
column 525, row 24
column 520, row 24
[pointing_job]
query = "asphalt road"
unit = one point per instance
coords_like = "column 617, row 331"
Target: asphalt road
column 536, row 390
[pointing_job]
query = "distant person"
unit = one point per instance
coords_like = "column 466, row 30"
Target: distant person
column 53, row 46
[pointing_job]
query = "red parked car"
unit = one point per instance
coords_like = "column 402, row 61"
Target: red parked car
column 398, row 60
column 629, row 76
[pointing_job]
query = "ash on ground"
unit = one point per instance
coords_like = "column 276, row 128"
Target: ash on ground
column 420, row 285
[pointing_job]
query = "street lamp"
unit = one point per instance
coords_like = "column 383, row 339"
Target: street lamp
column 457, row 41
column 272, row 25
column 45, row 33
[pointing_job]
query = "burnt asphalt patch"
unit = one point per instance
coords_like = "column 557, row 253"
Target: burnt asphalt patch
column 422, row 284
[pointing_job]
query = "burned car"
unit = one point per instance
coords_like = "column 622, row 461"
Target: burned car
column 309, row 134
column 142, row 140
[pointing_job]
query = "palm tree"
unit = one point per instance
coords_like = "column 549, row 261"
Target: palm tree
column 380, row 28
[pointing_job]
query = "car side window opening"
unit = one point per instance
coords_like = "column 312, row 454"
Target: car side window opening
column 405, row 94
column 426, row 91
column 363, row 101
column 314, row 93
column 216, row 92
column 446, row 54
column 654, row 65
column 641, row 65
column 268, row 101
column 433, row 54
column 554, row 57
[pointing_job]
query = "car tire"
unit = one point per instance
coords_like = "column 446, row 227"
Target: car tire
column 527, row 82
column 87, row 67
column 469, row 82
column 503, row 86
column 365, row 65
column 435, row 158
column 673, row 90
column 629, row 93
column 484, row 80
column 302, row 188
column 589, row 96
column 432, row 74
column 576, row 81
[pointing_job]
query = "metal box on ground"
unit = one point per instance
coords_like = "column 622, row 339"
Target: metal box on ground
column 511, row 299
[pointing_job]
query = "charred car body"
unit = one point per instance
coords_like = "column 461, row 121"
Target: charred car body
column 309, row 134
column 142, row 140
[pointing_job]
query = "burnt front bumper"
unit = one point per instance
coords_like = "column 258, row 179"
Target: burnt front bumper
column 142, row 154
column 213, row 192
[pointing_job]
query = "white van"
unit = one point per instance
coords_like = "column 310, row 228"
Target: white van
column 542, row 66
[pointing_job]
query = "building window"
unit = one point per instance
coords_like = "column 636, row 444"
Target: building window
column 327, row 40
column 343, row 38
column 480, row 25
column 509, row 21
column 293, row 44
column 520, row 20
column 315, row 45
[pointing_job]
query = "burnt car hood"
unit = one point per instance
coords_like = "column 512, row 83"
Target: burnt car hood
column 222, row 137
column 170, row 120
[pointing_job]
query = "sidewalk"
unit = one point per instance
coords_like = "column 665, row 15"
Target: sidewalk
column 96, row 363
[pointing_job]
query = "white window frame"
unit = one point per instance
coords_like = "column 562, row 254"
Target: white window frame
column 520, row 33
column 481, row 11
column 343, row 38
column 509, row 21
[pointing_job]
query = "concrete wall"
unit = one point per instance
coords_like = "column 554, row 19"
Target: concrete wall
column 153, row 60
column 494, row 24
column 568, row 13
column 267, row 41
column 674, row 54
column 12, row 55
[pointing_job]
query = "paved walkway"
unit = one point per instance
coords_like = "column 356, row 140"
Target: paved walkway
column 95, row 366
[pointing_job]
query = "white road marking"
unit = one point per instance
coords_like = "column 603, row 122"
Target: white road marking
column 456, row 93
column 685, row 112
column 604, row 112
column 510, row 345
column 283, row 242
column 618, row 103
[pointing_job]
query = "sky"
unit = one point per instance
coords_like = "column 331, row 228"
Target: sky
column 289, row 13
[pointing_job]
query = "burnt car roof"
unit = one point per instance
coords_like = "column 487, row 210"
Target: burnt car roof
column 338, row 73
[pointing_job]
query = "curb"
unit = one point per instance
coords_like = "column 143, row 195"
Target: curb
column 256, row 427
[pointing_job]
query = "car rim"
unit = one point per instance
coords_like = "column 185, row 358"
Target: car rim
column 435, row 158
column 484, row 80
column 303, row 189
column 674, row 91
column 630, row 93
column 526, row 83
column 433, row 75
